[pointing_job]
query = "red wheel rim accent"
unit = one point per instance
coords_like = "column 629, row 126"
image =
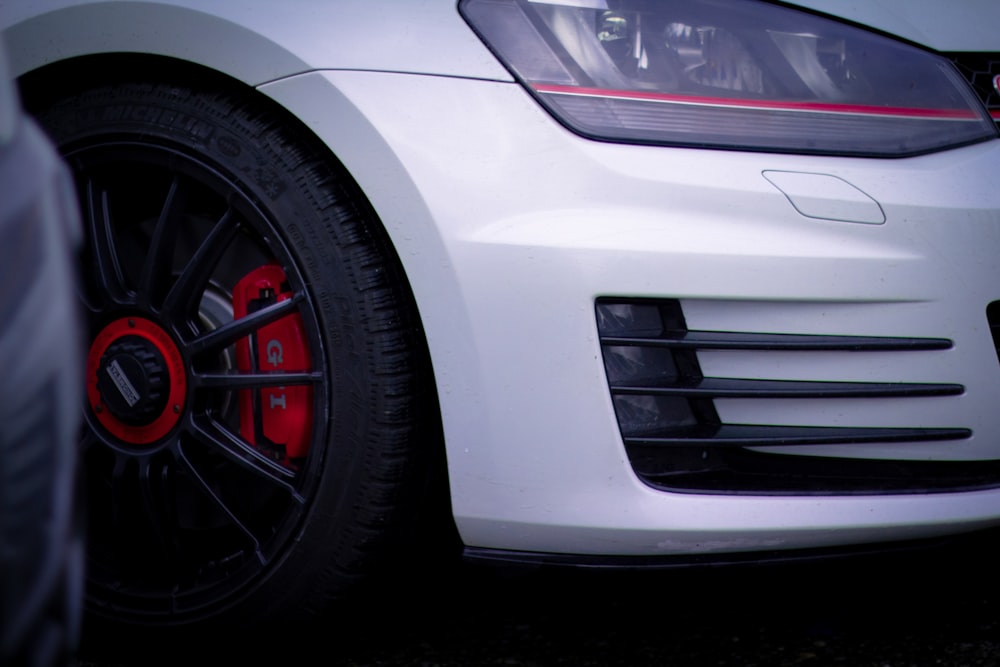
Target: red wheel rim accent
column 159, row 427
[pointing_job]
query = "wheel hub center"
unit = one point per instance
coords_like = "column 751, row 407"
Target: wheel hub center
column 133, row 380
column 136, row 380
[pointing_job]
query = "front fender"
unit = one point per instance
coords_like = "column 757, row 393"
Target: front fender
column 255, row 41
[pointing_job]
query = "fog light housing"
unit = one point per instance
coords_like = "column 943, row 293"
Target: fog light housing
column 638, row 368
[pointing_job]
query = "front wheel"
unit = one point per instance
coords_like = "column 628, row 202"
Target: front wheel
column 258, row 404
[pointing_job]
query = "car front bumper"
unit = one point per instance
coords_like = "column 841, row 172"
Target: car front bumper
column 511, row 228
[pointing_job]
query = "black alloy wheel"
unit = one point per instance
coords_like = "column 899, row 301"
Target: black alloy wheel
column 258, row 400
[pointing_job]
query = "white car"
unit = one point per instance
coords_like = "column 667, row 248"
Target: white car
column 596, row 281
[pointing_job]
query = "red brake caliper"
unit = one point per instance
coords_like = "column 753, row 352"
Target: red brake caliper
column 276, row 420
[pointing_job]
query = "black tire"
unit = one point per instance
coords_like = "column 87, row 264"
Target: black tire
column 194, row 514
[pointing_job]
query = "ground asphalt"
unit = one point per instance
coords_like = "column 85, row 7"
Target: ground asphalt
column 933, row 608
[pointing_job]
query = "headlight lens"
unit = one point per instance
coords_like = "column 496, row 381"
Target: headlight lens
column 729, row 74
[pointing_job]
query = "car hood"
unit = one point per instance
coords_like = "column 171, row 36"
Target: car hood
column 964, row 25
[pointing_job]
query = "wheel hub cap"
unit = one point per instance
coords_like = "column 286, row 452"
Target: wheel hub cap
column 136, row 381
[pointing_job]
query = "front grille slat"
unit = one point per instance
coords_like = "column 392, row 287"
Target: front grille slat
column 743, row 388
column 725, row 340
column 748, row 435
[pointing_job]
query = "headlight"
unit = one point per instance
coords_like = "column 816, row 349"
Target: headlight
column 729, row 74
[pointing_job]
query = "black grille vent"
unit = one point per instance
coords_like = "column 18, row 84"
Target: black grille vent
column 675, row 439
column 979, row 69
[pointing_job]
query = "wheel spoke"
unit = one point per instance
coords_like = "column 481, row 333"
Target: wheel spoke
column 88, row 441
column 120, row 494
column 184, row 295
column 158, row 506
column 106, row 271
column 218, row 339
column 211, row 433
column 157, row 270
column 234, row 381
column 223, row 507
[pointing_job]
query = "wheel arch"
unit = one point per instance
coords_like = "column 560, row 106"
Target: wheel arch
column 176, row 33
column 39, row 85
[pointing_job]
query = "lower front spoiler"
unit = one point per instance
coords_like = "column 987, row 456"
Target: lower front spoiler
column 981, row 547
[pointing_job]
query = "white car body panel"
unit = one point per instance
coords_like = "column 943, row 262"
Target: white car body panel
column 527, row 416
column 509, row 226
column 252, row 41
